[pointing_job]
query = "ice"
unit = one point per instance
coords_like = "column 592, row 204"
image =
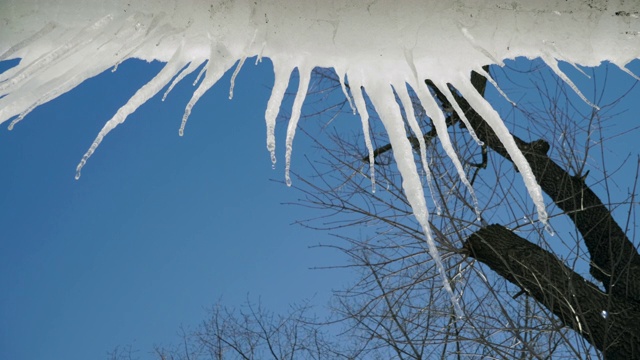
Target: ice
column 385, row 104
column 303, row 86
column 140, row 97
column 495, row 84
column 361, row 107
column 343, row 86
column 492, row 118
column 193, row 65
column 235, row 74
column 219, row 63
column 407, row 104
column 374, row 45
column 444, row 88
column 434, row 112
column 481, row 49
column 627, row 71
column 553, row 64
column 47, row 29
column 282, row 74
column 202, row 72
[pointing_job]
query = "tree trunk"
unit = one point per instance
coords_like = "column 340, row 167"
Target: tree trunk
column 611, row 323
column 614, row 260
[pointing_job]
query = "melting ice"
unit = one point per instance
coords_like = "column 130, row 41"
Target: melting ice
column 380, row 45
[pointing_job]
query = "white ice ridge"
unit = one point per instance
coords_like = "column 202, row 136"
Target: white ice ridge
column 384, row 44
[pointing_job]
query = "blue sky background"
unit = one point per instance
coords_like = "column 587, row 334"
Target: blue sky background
column 159, row 227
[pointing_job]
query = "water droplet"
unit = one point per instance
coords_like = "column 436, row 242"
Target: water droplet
column 604, row 314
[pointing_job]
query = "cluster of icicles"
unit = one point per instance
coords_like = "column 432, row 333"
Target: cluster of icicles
column 378, row 46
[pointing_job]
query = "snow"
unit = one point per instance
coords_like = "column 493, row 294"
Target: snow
column 380, row 45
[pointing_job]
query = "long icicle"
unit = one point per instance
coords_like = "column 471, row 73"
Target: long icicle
column 215, row 69
column 305, row 76
column 383, row 100
column 282, row 73
column 492, row 118
column 407, row 103
column 361, row 107
column 440, row 123
column 140, row 97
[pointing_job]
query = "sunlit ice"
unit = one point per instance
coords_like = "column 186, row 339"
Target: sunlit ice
column 380, row 48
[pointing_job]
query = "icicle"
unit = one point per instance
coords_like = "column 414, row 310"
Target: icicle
column 193, row 65
column 202, row 71
column 558, row 54
column 440, row 123
column 341, row 77
column 46, row 30
column 54, row 74
column 99, row 35
column 494, row 83
column 81, row 39
column 575, row 66
column 627, row 71
column 282, row 75
column 403, row 94
column 492, row 118
column 444, row 88
column 140, row 97
column 305, row 76
column 55, row 87
column 235, row 74
column 22, row 115
column 553, row 64
column 132, row 47
column 217, row 66
column 259, row 57
column 383, row 100
column 408, row 55
column 484, row 51
column 7, row 75
column 405, row 99
column 361, row 106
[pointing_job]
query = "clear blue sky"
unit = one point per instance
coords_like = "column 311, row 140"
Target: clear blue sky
column 158, row 228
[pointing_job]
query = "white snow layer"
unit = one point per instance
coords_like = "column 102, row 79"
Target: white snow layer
column 377, row 44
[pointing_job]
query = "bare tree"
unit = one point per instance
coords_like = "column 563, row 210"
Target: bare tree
column 254, row 333
column 526, row 294
column 536, row 302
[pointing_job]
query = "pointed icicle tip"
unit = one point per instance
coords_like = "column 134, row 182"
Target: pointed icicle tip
column 305, row 77
column 627, row 71
column 235, row 74
column 282, row 74
column 219, row 62
column 342, row 75
column 361, row 107
column 553, row 64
